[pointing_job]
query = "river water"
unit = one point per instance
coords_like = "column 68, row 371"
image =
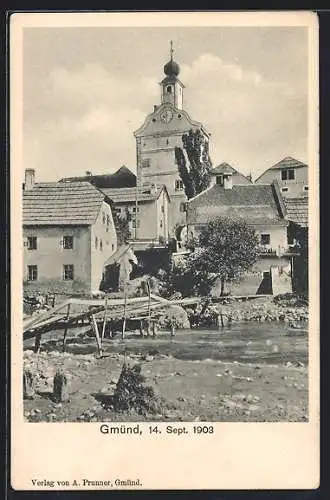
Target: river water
column 252, row 342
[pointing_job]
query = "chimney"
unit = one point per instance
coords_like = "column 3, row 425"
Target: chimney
column 29, row 179
column 227, row 181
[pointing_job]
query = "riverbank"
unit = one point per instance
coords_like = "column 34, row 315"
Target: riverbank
column 251, row 372
column 286, row 309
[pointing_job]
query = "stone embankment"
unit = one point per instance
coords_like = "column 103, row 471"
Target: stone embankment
column 293, row 312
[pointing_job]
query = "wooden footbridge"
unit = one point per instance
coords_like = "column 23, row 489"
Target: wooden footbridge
column 141, row 313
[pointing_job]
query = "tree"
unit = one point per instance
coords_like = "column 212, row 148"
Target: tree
column 227, row 249
column 121, row 226
column 196, row 176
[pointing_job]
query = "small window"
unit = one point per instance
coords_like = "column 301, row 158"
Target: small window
column 146, row 163
column 96, row 242
column 284, row 189
column 162, row 209
column 169, row 89
column 219, row 180
column 135, row 223
column 265, row 239
column 68, row 272
column 108, row 220
column 32, row 273
column 167, row 142
column 101, row 245
column 178, row 185
column 135, row 210
column 161, row 224
column 183, row 207
column 32, row 243
column 287, row 174
column 104, row 219
column 68, row 242
column 305, row 188
column 112, row 246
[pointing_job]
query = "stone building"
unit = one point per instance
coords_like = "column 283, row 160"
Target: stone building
column 68, row 235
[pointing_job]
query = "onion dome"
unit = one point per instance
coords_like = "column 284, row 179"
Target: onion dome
column 171, row 68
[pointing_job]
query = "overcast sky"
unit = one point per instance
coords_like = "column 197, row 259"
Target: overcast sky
column 87, row 89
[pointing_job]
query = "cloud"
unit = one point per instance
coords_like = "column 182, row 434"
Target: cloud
column 84, row 119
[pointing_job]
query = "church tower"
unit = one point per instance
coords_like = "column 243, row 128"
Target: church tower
column 157, row 139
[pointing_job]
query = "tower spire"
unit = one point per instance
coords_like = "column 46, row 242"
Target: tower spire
column 171, row 49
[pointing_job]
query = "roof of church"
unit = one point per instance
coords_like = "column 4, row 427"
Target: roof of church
column 171, row 68
column 123, row 177
column 261, row 204
column 297, row 210
column 56, row 203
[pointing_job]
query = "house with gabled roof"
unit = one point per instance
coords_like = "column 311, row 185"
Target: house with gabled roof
column 68, row 235
column 291, row 175
column 147, row 211
column 237, row 177
column 262, row 206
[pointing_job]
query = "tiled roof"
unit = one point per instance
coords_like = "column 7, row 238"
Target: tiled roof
column 130, row 194
column 297, row 210
column 224, row 168
column 288, row 162
column 57, row 203
column 258, row 203
column 123, row 177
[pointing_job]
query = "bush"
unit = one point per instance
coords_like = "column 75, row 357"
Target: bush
column 131, row 393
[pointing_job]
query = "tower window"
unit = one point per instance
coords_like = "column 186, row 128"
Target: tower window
column 305, row 188
column 169, row 89
column 284, row 189
column 178, row 185
column 146, row 163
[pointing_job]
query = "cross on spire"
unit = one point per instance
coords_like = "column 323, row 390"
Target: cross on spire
column 171, row 49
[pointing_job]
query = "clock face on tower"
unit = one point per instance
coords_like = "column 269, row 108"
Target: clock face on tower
column 166, row 116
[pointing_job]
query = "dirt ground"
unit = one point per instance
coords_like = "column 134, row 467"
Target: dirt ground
column 252, row 374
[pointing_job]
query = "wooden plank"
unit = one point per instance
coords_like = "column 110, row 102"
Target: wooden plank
column 66, row 328
column 149, row 307
column 96, row 332
column 42, row 317
column 111, row 302
column 125, row 313
column 104, row 318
